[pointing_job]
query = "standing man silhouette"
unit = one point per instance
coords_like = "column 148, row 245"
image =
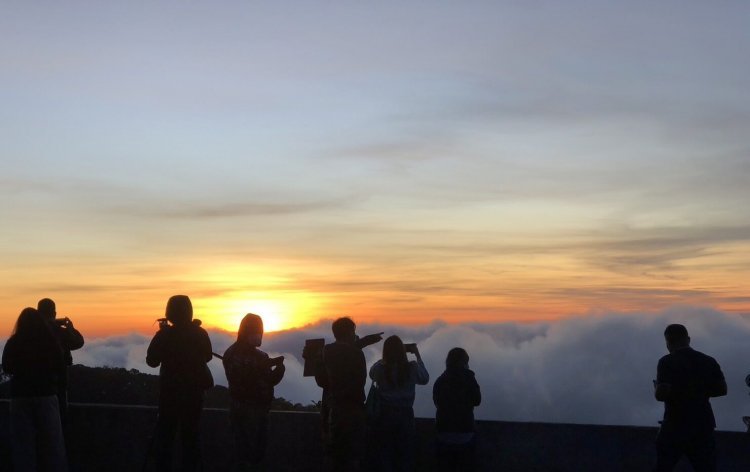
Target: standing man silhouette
column 69, row 339
column 685, row 380
column 342, row 373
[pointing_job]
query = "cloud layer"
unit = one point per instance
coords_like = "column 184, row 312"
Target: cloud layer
column 591, row 369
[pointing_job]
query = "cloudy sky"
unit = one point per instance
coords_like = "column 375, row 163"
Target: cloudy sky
column 483, row 162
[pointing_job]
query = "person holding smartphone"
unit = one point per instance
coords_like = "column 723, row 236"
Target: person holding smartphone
column 251, row 375
column 396, row 378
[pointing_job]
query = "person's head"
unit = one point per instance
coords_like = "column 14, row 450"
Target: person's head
column 344, row 330
column 457, row 358
column 29, row 323
column 46, row 308
column 676, row 336
column 393, row 351
column 179, row 310
column 251, row 330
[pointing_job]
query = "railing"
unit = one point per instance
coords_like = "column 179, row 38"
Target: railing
column 116, row 438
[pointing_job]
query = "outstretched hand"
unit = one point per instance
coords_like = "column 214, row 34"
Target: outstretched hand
column 370, row 339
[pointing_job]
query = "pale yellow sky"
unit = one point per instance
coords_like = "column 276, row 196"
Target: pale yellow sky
column 390, row 162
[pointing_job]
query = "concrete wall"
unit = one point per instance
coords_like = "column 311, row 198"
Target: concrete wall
column 116, row 438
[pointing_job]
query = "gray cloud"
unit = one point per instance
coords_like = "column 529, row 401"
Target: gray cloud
column 201, row 210
column 590, row 369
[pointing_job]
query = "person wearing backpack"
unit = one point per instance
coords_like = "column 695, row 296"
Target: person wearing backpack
column 181, row 349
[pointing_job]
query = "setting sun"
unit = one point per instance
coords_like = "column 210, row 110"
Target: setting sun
column 278, row 313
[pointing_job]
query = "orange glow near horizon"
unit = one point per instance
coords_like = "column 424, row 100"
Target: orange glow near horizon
column 289, row 293
column 279, row 312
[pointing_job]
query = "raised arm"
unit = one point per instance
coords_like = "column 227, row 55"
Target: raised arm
column 154, row 353
column 421, row 376
column 71, row 337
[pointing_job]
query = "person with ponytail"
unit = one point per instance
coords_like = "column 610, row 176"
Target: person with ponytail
column 395, row 378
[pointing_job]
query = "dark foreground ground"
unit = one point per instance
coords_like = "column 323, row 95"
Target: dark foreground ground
column 116, row 438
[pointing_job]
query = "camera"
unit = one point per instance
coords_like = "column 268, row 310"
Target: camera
column 62, row 321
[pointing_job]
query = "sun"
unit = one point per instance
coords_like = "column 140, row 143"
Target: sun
column 278, row 313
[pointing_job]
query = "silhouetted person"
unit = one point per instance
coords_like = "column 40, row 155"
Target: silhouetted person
column 70, row 339
column 182, row 349
column 685, row 380
column 396, row 377
column 32, row 356
column 251, row 375
column 342, row 373
column 455, row 394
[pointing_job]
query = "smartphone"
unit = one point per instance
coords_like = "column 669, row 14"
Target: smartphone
column 411, row 347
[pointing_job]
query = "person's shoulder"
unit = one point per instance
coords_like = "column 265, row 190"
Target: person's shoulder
column 196, row 328
column 697, row 353
column 231, row 350
column 338, row 348
column 666, row 359
column 704, row 357
column 161, row 334
column 258, row 353
column 329, row 349
column 11, row 342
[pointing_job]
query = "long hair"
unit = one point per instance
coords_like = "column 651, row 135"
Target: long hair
column 394, row 358
column 29, row 324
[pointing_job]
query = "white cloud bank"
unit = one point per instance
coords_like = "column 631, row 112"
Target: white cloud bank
column 591, row 369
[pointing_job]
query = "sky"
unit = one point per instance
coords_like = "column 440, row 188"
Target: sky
column 473, row 162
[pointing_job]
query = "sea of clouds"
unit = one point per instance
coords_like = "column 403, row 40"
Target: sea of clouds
column 595, row 369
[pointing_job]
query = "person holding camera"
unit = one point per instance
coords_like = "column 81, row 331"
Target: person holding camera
column 69, row 339
column 252, row 376
column 182, row 350
column 395, row 378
